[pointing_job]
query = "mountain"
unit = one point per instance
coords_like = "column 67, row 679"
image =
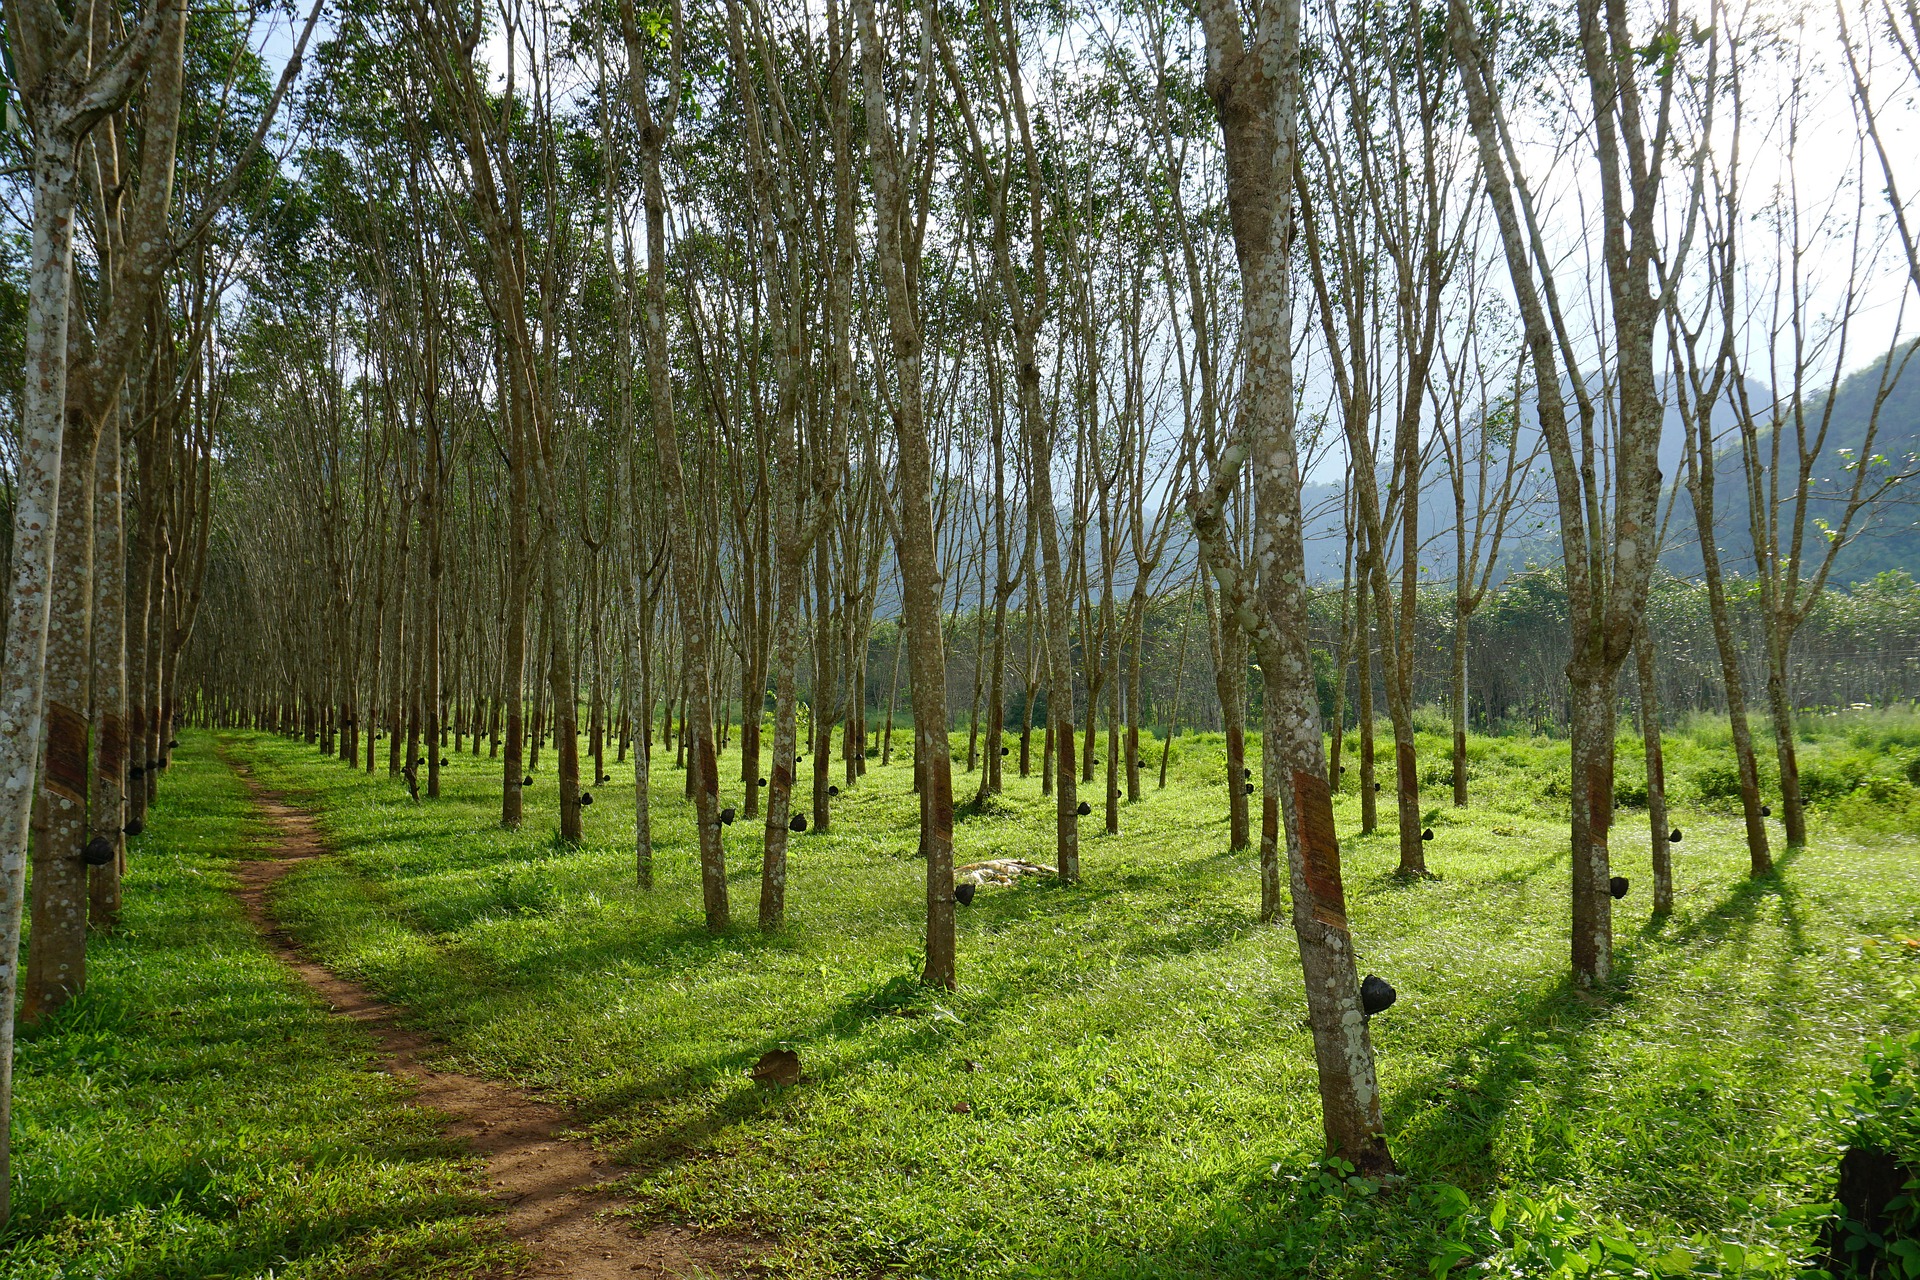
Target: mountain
column 1886, row 537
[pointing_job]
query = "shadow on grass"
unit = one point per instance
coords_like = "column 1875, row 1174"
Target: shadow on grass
column 1284, row 1219
column 1447, row 1118
column 716, row 1096
column 1734, row 917
column 1527, row 871
column 1195, row 936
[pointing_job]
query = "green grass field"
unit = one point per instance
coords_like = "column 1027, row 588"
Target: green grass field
column 1131, row 1051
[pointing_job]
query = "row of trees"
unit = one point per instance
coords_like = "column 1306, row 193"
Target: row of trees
column 1021, row 331
column 1860, row 647
column 141, row 129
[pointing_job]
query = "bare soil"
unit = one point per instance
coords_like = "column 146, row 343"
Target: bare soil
column 553, row 1186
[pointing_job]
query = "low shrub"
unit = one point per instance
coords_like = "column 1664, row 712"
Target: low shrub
column 1876, row 1230
column 1717, row 782
column 1551, row 1236
column 1827, row 782
column 1629, row 792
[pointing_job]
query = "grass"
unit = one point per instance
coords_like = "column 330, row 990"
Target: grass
column 1131, row 1053
column 197, row 1114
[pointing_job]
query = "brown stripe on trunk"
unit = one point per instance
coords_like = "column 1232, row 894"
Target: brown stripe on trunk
column 113, row 744
column 1599, row 800
column 66, row 751
column 1319, row 848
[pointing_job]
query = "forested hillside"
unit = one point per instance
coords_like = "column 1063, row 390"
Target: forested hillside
column 1882, row 399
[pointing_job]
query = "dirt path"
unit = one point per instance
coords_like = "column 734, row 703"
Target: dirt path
column 553, row 1185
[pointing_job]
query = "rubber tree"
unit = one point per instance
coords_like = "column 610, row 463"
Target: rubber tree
column 1203, row 375
column 1253, row 79
column 1608, row 514
column 1808, row 495
column 647, row 62
column 1702, row 349
column 1024, row 291
column 894, row 216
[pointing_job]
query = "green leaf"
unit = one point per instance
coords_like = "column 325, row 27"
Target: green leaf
column 1448, row 1200
column 1448, row 1256
column 1675, row 1261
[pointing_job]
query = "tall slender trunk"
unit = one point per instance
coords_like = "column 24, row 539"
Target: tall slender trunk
column 138, row 628
column 1793, row 814
column 1115, row 716
column 514, row 678
column 36, row 504
column 1256, row 92
column 430, row 628
column 1700, row 484
column 782, row 771
column 979, row 669
column 753, row 705
column 703, row 766
column 1662, row 849
column 893, row 692
column 1460, row 620
column 1136, row 691
column 397, row 684
column 376, row 628
column 1047, row 753
column 1363, row 672
column 1230, row 687
column 1592, row 717
column 1032, row 691
column 560, row 689
column 57, row 957
column 1179, row 691
column 919, row 561
column 640, row 713
column 155, row 643
column 108, row 817
column 826, row 700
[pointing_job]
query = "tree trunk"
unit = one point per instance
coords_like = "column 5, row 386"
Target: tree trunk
column 1793, row 814
column 36, row 503
column 1363, row 672
column 919, row 562
column 1700, row 481
column 108, row 818
column 1592, row 716
column 1460, row 620
column 1256, row 91
column 57, row 958
column 703, row 767
column 893, row 693
column 566, row 714
column 1662, row 848
column 781, row 772
column 1230, row 686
